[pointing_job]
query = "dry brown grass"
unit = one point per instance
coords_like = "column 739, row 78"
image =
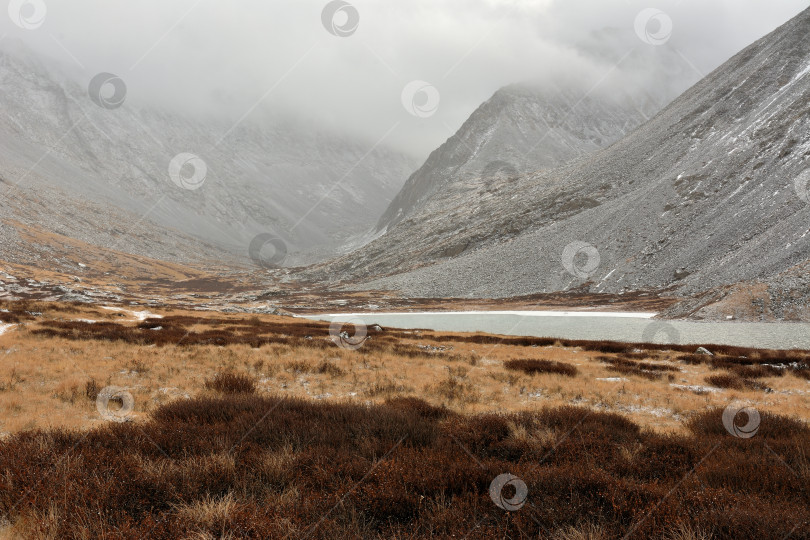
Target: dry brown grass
column 50, row 381
column 249, row 466
column 218, row 449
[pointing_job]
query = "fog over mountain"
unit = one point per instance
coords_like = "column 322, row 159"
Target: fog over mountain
column 273, row 174
column 211, row 58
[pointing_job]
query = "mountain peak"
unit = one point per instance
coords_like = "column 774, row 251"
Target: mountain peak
column 525, row 127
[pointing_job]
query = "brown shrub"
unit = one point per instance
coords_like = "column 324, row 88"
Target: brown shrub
column 91, row 389
column 692, row 359
column 330, row 369
column 772, row 426
column 757, row 371
column 246, row 466
column 801, row 371
column 417, row 406
column 743, row 355
column 228, row 382
column 532, row 366
column 802, row 374
column 386, row 387
column 726, row 380
column 733, row 381
column 299, row 366
column 630, row 367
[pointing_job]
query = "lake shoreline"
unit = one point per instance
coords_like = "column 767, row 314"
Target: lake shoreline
column 630, row 327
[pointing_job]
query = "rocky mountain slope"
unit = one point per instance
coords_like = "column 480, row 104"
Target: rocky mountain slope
column 710, row 192
column 269, row 175
column 523, row 128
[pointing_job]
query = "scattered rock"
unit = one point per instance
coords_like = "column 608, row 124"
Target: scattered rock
column 681, row 273
column 696, row 389
column 435, row 349
column 703, row 350
column 271, row 293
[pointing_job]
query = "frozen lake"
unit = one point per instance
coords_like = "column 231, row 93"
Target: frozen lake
column 628, row 327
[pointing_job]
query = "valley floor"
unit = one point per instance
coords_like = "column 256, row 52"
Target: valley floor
column 190, row 424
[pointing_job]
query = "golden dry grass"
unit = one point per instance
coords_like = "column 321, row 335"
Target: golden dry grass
column 43, row 380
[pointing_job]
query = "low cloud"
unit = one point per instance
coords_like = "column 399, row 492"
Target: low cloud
column 204, row 57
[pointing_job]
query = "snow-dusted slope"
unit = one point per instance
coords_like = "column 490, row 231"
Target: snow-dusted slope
column 711, row 191
column 522, row 129
column 311, row 188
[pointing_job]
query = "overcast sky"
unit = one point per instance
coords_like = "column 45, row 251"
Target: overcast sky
column 225, row 58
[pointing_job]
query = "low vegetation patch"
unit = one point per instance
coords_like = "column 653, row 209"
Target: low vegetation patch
column 228, row 382
column 757, row 371
column 733, row 381
column 245, row 466
column 726, row 380
column 534, row 366
column 756, row 364
column 330, row 368
column 743, row 354
column 622, row 364
column 456, row 389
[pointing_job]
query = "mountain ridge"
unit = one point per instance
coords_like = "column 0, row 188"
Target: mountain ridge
column 700, row 196
column 511, row 128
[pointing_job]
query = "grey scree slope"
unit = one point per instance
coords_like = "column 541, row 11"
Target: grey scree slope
column 523, row 128
column 705, row 187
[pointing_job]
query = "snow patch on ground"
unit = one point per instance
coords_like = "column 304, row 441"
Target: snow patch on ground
column 696, row 388
column 658, row 412
column 137, row 315
column 617, row 314
column 5, row 327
